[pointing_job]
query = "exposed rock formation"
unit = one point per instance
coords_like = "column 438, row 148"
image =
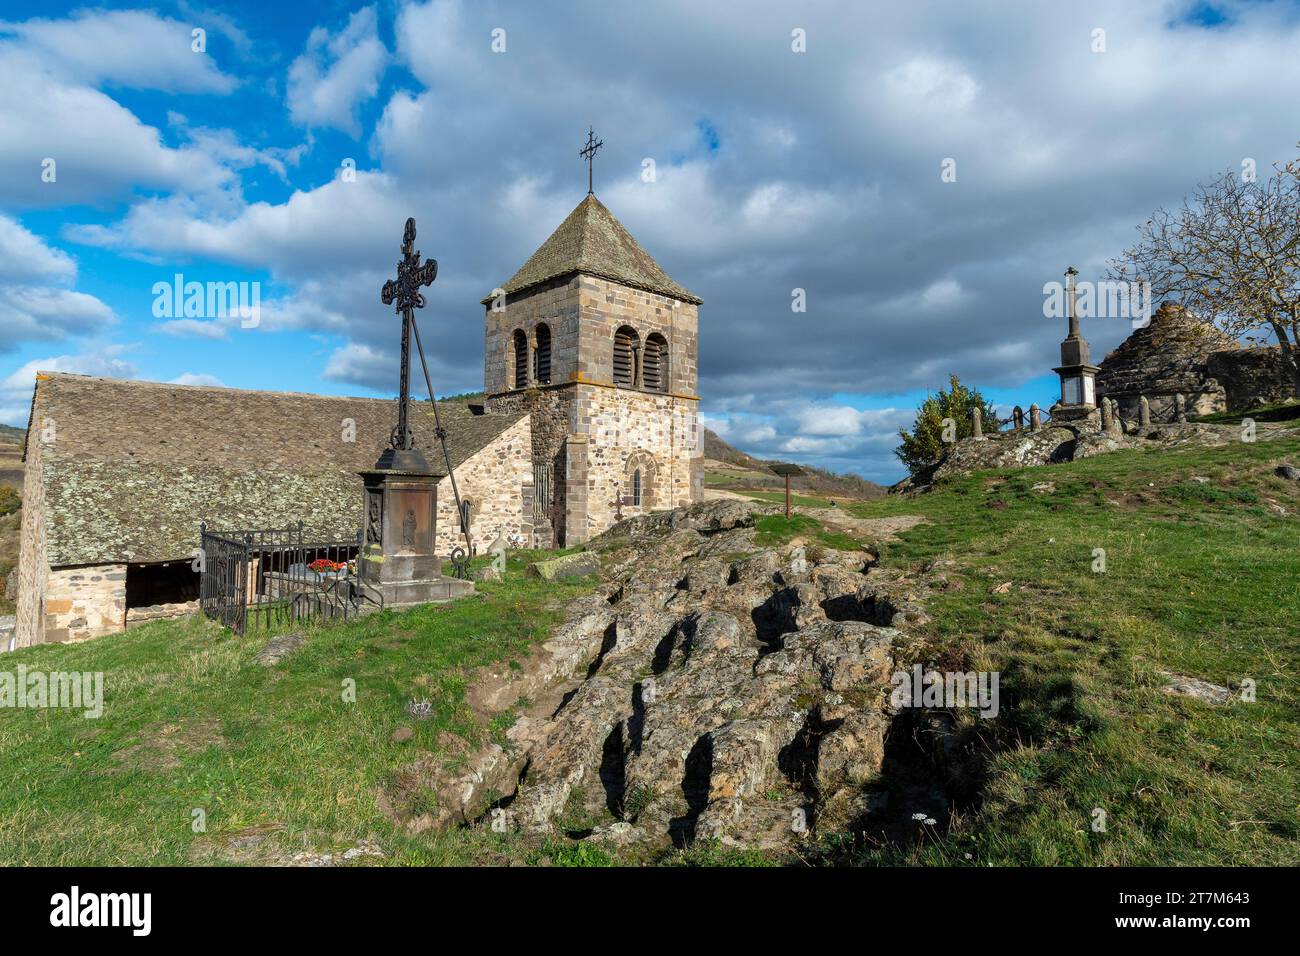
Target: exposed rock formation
column 715, row 689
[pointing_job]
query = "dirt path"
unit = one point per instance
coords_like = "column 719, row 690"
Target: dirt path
column 873, row 529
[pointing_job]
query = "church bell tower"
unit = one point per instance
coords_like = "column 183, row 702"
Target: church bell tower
column 595, row 341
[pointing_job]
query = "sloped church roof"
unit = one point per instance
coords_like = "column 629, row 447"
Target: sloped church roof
column 592, row 241
column 132, row 467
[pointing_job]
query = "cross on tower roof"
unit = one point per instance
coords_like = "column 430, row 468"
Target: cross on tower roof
column 588, row 153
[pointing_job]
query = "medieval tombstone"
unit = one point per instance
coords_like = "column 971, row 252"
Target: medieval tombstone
column 1017, row 419
column 1144, row 412
column 1180, row 409
column 1107, row 417
column 1035, row 418
column 976, row 425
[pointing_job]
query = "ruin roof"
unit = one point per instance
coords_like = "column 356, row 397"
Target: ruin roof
column 593, row 242
column 1166, row 356
column 133, row 466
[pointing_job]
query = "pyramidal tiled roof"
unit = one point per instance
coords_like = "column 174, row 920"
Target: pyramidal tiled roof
column 592, row 241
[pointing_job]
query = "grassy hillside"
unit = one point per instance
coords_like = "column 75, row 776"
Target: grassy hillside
column 730, row 469
column 275, row 758
column 1200, row 580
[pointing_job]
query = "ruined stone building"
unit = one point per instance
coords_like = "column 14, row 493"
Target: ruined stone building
column 590, row 410
column 1178, row 354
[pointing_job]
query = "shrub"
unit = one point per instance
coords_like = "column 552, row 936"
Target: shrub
column 10, row 501
column 923, row 446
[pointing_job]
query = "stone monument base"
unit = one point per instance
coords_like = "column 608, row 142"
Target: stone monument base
column 1080, row 416
column 402, row 594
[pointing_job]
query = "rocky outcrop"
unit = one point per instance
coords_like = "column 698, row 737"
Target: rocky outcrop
column 1054, row 445
column 715, row 689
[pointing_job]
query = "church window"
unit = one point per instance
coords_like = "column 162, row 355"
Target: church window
column 521, row 358
column 626, row 345
column 654, row 366
column 636, row 488
column 542, row 356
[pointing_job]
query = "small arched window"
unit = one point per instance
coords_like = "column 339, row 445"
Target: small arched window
column 626, row 345
column 636, row 488
column 542, row 356
column 520, row 348
column 654, row 367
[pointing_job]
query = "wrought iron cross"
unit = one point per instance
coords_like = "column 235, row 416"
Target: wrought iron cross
column 403, row 293
column 588, row 153
column 619, row 501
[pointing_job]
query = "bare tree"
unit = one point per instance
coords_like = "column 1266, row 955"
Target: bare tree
column 1231, row 255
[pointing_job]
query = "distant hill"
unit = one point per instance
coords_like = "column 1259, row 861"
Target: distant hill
column 728, row 467
column 11, row 435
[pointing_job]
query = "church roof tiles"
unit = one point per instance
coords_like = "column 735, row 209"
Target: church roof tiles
column 128, row 469
column 592, row 241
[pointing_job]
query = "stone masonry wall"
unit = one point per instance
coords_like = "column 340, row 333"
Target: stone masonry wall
column 491, row 480
column 85, row 602
column 1251, row 377
column 605, row 306
column 554, row 303
column 33, row 568
column 624, row 425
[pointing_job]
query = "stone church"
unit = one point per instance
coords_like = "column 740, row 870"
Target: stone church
column 590, row 411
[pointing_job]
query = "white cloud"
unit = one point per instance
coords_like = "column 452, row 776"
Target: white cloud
column 200, row 378
column 930, row 83
column 131, row 48
column 361, row 363
column 31, row 310
column 194, row 328
column 336, row 74
column 16, row 388
column 941, row 294
column 25, row 256
column 30, row 313
column 100, row 150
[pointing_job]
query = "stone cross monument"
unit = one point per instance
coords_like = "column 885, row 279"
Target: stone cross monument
column 401, row 491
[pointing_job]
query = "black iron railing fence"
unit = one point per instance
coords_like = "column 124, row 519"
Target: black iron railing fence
column 268, row 576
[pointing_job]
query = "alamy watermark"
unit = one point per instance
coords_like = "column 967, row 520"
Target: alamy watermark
column 927, row 688
column 208, row 300
column 75, row 690
column 1109, row 299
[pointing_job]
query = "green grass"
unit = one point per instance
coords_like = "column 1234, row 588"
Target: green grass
column 774, row 530
column 1200, row 579
column 192, row 722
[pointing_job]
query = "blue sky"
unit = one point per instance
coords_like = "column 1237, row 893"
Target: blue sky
column 775, row 170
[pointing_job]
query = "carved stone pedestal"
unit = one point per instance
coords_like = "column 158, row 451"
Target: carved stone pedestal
column 397, row 557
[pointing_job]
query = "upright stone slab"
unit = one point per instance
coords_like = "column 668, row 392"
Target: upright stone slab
column 1144, row 412
column 976, row 425
column 1035, row 418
